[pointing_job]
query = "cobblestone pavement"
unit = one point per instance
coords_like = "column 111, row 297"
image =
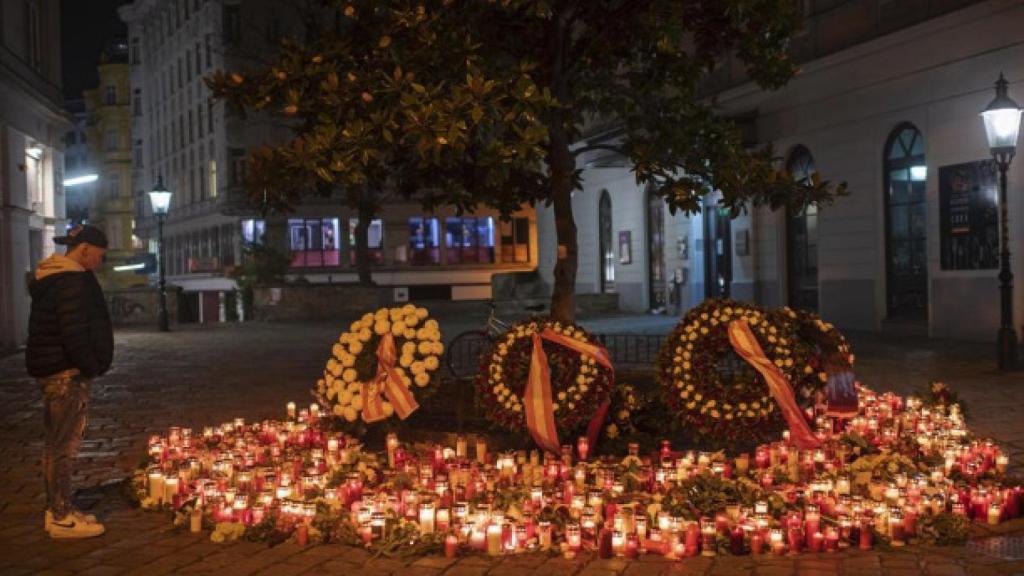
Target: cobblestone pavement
column 201, row 376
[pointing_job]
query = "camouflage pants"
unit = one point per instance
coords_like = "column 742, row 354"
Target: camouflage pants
column 65, row 408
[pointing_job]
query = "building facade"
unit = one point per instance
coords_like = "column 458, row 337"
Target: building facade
column 110, row 144
column 887, row 99
column 78, row 163
column 185, row 136
column 32, row 128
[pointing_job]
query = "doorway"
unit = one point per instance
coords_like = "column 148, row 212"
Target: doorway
column 606, row 249
column 718, row 252
column 656, row 252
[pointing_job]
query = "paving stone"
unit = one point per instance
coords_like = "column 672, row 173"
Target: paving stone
column 103, row 570
column 467, row 570
column 435, row 562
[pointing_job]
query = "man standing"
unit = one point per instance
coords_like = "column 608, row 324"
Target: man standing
column 70, row 342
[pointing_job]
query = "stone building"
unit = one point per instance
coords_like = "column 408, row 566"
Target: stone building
column 887, row 99
column 32, row 128
column 187, row 137
column 109, row 136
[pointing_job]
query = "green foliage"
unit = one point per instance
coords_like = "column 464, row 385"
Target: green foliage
column 390, row 96
column 944, row 529
column 262, row 265
column 707, row 495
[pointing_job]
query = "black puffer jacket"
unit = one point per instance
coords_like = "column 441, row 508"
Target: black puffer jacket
column 69, row 326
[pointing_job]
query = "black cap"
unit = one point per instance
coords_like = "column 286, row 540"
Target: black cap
column 83, row 233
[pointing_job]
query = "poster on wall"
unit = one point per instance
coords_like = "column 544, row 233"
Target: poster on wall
column 625, row 247
column 968, row 216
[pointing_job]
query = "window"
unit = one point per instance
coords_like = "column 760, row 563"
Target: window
column 113, row 186
column 114, row 234
column 802, row 237
column 137, row 102
column 33, row 36
column 138, row 154
column 232, row 21
column 111, row 140
column 209, row 59
column 375, row 241
column 314, row 242
column 69, row 139
column 209, row 115
column 136, row 51
column 470, row 240
column 424, row 241
column 515, row 240
column 188, row 64
column 239, row 166
column 191, row 137
column 110, row 95
column 181, row 72
column 199, row 119
column 253, row 231
column 213, row 178
column 906, row 233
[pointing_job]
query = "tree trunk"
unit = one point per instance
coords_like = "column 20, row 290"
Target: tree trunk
column 562, row 168
column 562, row 165
column 363, row 244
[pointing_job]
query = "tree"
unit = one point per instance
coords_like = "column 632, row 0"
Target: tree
column 386, row 96
column 640, row 66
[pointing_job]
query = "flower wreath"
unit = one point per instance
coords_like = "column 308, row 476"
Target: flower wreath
column 580, row 385
column 820, row 349
column 709, row 387
column 374, row 366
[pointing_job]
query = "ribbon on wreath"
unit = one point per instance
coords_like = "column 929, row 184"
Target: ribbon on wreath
column 745, row 344
column 540, row 412
column 388, row 382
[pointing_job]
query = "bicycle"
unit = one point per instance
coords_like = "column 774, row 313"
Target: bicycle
column 465, row 350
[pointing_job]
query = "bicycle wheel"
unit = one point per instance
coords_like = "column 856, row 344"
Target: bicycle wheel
column 463, row 353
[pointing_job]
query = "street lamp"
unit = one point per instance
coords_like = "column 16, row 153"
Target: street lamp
column 160, row 200
column 1002, row 123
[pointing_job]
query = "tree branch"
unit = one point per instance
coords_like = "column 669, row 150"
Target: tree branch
column 592, row 147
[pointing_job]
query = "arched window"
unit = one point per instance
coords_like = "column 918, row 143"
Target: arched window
column 606, row 248
column 905, row 173
column 802, row 238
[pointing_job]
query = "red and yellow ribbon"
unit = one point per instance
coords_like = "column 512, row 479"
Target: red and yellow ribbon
column 745, row 344
column 540, row 413
column 389, row 382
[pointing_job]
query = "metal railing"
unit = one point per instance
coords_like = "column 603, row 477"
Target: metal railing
column 625, row 351
column 632, row 350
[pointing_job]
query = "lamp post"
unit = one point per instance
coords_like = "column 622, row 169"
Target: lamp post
column 160, row 200
column 1002, row 123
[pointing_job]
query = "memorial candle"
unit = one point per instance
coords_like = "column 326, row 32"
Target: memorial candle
column 451, row 546
column 831, row 540
column 481, row 451
column 156, row 485
column 391, row 443
column 994, row 512
column 812, row 521
column 544, row 534
column 583, row 447
column 778, row 546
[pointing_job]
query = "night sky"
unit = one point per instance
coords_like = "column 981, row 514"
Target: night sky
column 86, row 27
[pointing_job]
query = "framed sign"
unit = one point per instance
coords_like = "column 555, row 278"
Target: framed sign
column 969, row 216
column 625, row 247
